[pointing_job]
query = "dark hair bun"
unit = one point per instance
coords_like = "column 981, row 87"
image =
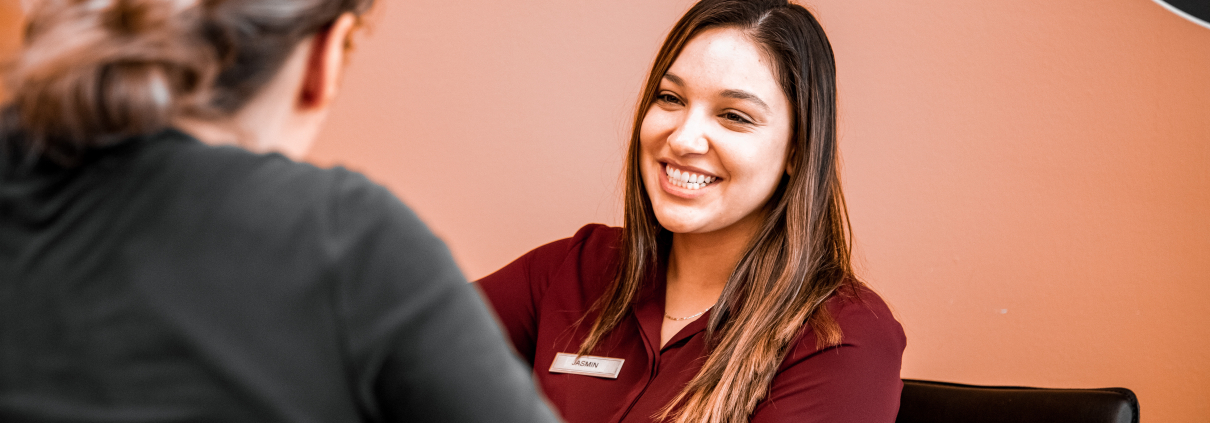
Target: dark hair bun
column 92, row 72
column 88, row 76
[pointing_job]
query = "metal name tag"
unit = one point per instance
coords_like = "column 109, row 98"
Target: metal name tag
column 587, row 365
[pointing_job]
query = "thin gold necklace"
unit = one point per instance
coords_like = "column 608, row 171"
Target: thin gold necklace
column 681, row 319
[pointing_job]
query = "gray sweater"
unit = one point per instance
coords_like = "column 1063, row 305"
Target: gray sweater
column 164, row 280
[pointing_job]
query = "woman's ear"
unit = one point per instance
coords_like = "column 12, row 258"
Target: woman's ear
column 325, row 63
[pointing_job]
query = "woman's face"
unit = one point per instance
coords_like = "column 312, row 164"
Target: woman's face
column 714, row 142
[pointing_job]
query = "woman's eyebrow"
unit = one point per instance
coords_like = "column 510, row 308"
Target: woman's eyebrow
column 732, row 93
column 674, row 79
column 744, row 95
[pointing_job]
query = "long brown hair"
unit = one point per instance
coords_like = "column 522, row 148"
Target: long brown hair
column 92, row 73
column 798, row 259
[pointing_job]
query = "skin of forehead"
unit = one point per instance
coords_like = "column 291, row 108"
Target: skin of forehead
column 714, row 42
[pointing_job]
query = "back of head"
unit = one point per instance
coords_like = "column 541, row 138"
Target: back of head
column 95, row 71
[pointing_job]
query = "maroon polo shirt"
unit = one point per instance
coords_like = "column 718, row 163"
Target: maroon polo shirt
column 542, row 295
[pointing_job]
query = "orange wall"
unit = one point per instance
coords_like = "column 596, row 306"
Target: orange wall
column 1029, row 182
column 10, row 31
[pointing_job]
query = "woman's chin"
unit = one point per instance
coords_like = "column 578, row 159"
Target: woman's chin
column 682, row 224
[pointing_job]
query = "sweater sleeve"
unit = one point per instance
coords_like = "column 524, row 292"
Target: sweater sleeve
column 856, row 381
column 421, row 344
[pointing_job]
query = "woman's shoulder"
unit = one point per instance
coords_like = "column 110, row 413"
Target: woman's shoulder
column 593, row 244
column 596, row 236
column 856, row 380
column 270, row 197
column 865, row 320
column 578, row 266
column 275, row 183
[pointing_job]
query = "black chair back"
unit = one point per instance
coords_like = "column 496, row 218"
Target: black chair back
column 940, row 402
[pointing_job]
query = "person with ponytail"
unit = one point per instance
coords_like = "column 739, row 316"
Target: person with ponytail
column 161, row 261
column 728, row 295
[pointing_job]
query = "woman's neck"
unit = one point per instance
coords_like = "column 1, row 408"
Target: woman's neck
column 699, row 265
column 698, row 268
column 272, row 120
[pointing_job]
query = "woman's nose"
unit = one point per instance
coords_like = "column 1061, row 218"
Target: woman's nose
column 690, row 136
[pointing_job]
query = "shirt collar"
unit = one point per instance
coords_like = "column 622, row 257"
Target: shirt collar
column 649, row 311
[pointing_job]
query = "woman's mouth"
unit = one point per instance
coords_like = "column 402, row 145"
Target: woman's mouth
column 687, row 180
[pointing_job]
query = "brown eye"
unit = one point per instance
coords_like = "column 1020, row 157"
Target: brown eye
column 668, row 98
column 736, row 117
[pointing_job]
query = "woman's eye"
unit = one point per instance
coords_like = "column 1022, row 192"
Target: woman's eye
column 736, row 117
column 668, row 98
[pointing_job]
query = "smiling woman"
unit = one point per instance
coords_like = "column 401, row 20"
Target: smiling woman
column 728, row 295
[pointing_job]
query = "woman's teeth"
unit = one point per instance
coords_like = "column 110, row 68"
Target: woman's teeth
column 687, row 180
